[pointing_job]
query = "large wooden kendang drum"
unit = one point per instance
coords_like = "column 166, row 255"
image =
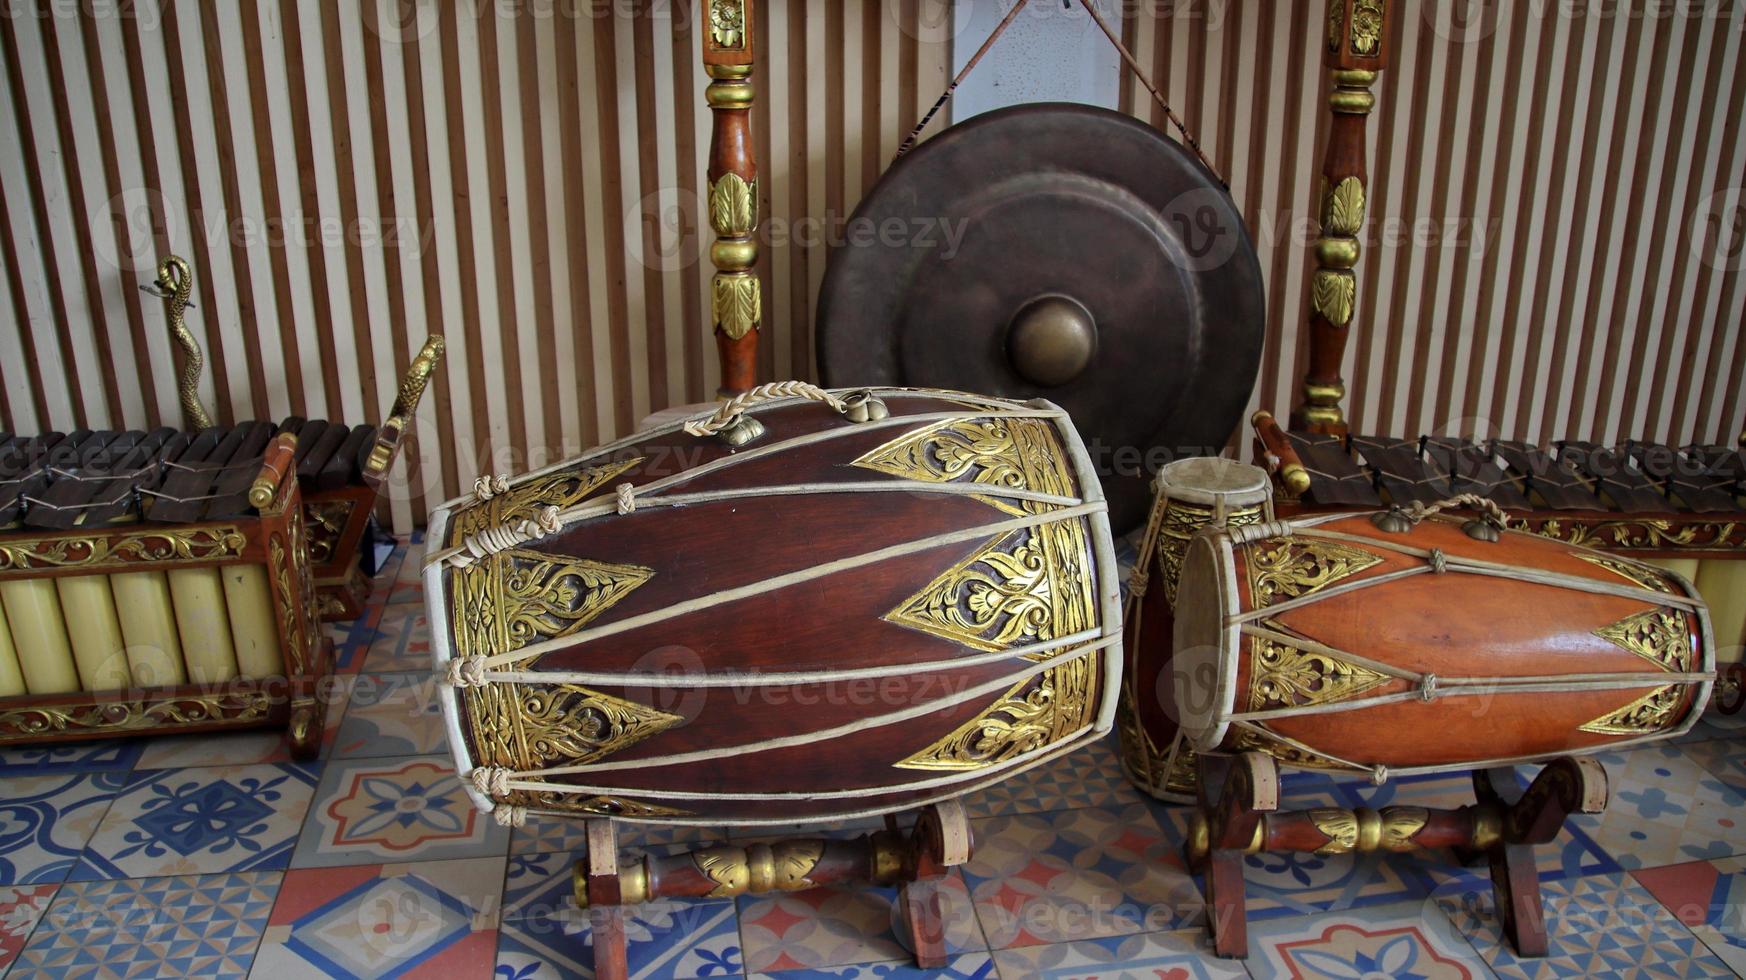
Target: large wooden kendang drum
column 1408, row 642
column 1192, row 495
column 792, row 610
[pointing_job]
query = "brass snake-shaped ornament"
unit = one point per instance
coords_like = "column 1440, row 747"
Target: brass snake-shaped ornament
column 175, row 283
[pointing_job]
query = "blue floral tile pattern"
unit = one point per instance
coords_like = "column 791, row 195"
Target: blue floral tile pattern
column 392, row 714
column 1666, row 808
column 1183, row 955
column 45, row 822
column 1603, row 925
column 968, row 966
column 545, row 935
column 1077, row 874
column 200, row 821
column 371, row 811
column 114, row 755
column 1408, row 939
column 434, row 918
column 1090, row 777
column 196, row 926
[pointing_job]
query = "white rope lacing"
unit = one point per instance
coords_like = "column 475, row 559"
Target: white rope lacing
column 489, row 486
column 492, row 781
column 627, row 498
column 544, row 522
column 466, row 672
column 730, row 411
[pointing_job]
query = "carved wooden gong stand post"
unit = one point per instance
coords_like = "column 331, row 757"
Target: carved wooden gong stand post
column 1238, row 815
column 735, row 297
column 1356, row 50
column 915, row 860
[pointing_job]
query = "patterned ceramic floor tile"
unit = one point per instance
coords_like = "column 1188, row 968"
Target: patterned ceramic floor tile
column 200, row 821
column 568, row 835
column 844, row 926
column 1599, row 926
column 392, row 714
column 1183, row 955
column 353, row 638
column 45, row 822
column 1092, row 776
column 1666, row 809
column 117, row 755
column 402, row 642
column 21, row 908
column 408, row 582
column 195, row 926
column 430, row 919
column 1408, row 939
column 1710, row 898
column 1725, row 758
column 376, row 811
column 969, row 966
column 1077, row 874
column 544, row 934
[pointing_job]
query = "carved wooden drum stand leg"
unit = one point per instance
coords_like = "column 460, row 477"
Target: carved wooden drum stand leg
column 1238, row 815
column 915, row 861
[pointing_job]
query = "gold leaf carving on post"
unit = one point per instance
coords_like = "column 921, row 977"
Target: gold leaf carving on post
column 1291, row 568
column 1653, row 712
column 733, row 206
column 1367, row 27
column 735, row 303
column 1332, row 295
column 1020, row 722
column 1285, row 676
column 727, row 24
column 1343, row 207
column 1336, row 24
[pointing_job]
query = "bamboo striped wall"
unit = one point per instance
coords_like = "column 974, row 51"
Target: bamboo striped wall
column 1555, row 223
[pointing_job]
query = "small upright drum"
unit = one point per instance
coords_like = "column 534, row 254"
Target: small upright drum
column 1406, row 641
column 1191, row 495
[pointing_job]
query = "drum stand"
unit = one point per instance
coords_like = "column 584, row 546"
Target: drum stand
column 915, row 861
column 1238, row 815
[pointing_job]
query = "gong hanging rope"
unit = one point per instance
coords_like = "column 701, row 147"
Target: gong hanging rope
column 1127, row 58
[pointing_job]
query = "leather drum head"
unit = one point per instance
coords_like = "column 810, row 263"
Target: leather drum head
column 1064, row 252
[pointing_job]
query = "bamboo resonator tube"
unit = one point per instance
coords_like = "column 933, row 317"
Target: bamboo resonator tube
column 1355, row 51
column 147, row 628
column 735, row 302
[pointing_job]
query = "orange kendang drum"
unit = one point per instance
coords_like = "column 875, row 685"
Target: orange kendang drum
column 1405, row 641
column 810, row 605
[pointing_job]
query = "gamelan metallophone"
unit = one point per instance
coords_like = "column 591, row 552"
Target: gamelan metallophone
column 340, row 467
column 1683, row 509
column 154, row 581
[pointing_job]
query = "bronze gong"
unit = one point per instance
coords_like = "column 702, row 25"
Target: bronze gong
column 1064, row 252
